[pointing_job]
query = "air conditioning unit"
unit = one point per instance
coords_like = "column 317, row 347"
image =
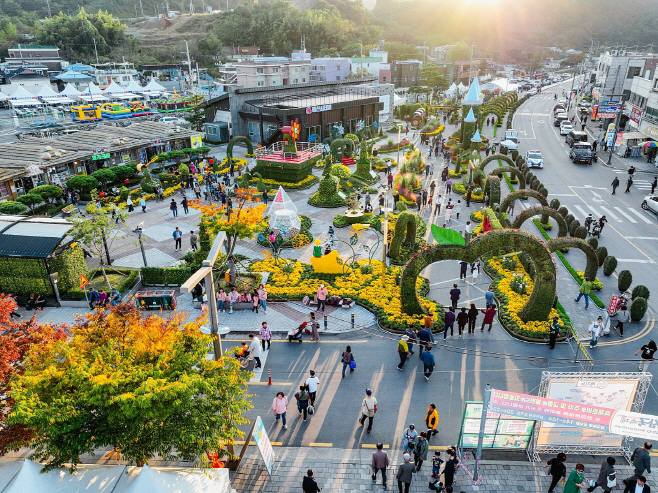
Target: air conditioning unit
column 622, row 52
column 614, row 52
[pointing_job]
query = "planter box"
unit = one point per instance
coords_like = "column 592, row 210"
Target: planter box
column 353, row 218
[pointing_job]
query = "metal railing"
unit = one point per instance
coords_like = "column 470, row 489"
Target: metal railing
column 279, row 147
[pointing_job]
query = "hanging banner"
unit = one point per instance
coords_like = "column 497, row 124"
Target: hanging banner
column 264, row 444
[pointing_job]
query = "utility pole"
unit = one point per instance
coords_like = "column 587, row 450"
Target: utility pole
column 49, row 12
column 95, row 50
column 141, row 7
column 189, row 63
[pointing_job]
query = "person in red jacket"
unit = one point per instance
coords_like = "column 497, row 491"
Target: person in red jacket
column 489, row 315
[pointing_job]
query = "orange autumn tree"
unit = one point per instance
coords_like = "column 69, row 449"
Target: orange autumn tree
column 138, row 383
column 240, row 222
column 17, row 339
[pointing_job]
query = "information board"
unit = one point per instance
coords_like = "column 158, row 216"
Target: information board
column 264, row 445
column 500, row 432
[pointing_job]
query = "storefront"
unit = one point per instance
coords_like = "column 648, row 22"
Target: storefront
column 629, row 144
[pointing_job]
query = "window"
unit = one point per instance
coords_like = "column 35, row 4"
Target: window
column 275, row 70
column 384, row 79
column 655, row 84
column 275, row 82
column 303, row 70
column 260, row 83
column 338, row 67
column 295, row 81
column 303, row 79
column 633, row 72
column 251, row 128
column 260, row 70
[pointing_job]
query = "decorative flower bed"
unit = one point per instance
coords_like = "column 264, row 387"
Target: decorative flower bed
column 292, row 279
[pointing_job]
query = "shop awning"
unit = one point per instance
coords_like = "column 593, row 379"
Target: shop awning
column 25, row 102
column 634, row 135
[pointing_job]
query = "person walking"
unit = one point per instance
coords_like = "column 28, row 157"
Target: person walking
column 489, row 298
column 472, row 318
column 449, row 322
column 576, row 481
column 322, row 297
column 265, row 336
column 254, row 349
column 129, row 203
column 469, row 195
column 424, row 339
column 432, row 421
column 142, row 204
column 437, row 205
column 280, row 406
column 448, row 186
column 312, row 383
column 185, row 205
column 302, row 401
column 463, row 268
column 553, row 333
column 368, row 409
column 602, row 221
column 654, row 184
column 347, row 359
column 449, row 469
column 405, row 474
column 197, row 190
column 462, row 320
column 623, row 316
column 308, row 484
column 615, row 184
column 265, row 197
column 193, row 241
column 585, row 290
column 403, row 351
column 315, row 325
column 173, row 207
column 588, row 221
column 455, row 292
column 178, row 235
column 595, row 330
column 641, row 459
column 489, row 315
column 428, row 362
column 411, row 334
column 475, row 270
column 262, row 296
column 457, row 209
column 638, row 486
column 557, row 470
column 380, row 462
column 408, row 438
column 607, row 475
column 648, row 351
column 420, row 450
column 629, row 183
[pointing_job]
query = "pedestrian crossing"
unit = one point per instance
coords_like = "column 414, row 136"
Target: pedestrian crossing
column 616, row 214
column 638, row 183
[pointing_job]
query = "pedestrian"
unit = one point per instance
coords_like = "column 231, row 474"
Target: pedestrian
column 437, row 205
column 448, row 186
column 368, row 409
column 411, row 333
column 129, row 203
column 553, row 333
column 315, row 335
column 472, row 317
column 629, row 182
column 469, row 194
column 405, row 474
column 436, row 464
column 489, row 298
column 185, row 206
column 585, row 290
column 381, row 203
column 380, row 462
column 280, row 406
column 432, row 188
column 489, row 315
column 419, row 201
column 427, row 166
column 142, row 204
column 420, row 450
column 588, row 221
column 321, row 296
column 595, row 330
column 409, row 437
column 193, row 241
column 457, row 208
column 262, row 296
column 432, row 421
column 173, row 207
column 428, row 362
column 449, row 322
column 197, row 190
column 594, row 144
column 510, row 208
column 607, row 475
column 93, row 298
column 424, row 197
column 403, row 350
column 265, row 336
column 638, row 486
column 462, row 320
column 265, row 197
column 455, row 292
column 424, row 338
column 302, row 401
column 576, row 480
column 308, row 484
column 463, row 267
column 312, row 385
column 233, row 297
column 347, row 358
column 450, row 468
column 648, row 350
column 641, row 459
column 557, row 470
column 254, row 349
column 623, row 316
column 178, row 235
column 654, row 184
column 475, row 270
column 602, row 221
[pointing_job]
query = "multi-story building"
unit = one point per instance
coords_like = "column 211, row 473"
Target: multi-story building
column 615, row 73
column 640, row 112
column 406, row 73
column 329, row 69
column 35, row 55
column 272, row 71
column 121, row 73
column 368, row 65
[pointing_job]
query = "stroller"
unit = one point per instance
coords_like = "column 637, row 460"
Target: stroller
column 297, row 334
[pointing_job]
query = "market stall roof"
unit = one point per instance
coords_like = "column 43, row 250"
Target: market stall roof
column 25, row 102
column 154, row 86
column 133, row 86
column 114, row 88
column 127, row 95
column 92, row 89
column 21, row 93
column 634, row 135
column 93, row 97
column 72, row 77
column 166, row 480
column 70, row 91
column 32, row 238
column 59, row 100
column 45, row 91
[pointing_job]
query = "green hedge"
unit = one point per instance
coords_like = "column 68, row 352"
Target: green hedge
column 168, row 276
column 24, row 276
column 285, row 172
column 130, row 278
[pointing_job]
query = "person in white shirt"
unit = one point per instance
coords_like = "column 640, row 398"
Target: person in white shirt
column 368, row 407
column 232, row 299
column 254, row 347
column 596, row 329
column 312, row 384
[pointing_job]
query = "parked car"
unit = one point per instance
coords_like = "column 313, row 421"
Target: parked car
column 532, row 91
column 582, row 152
column 534, row 159
column 565, row 127
column 650, row 203
column 559, row 118
column 576, row 136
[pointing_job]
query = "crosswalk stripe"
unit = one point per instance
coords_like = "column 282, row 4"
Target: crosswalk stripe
column 582, row 211
column 608, row 212
column 641, row 216
column 626, row 215
column 596, row 213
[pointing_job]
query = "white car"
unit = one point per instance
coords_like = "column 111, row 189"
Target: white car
column 650, row 203
column 172, row 120
column 534, row 159
column 565, row 128
column 532, row 91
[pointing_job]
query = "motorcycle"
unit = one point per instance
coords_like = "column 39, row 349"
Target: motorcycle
column 596, row 230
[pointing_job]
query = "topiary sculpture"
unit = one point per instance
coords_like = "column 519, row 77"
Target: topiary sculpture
column 638, row 308
column 609, row 265
column 624, row 280
column 405, row 232
column 640, row 290
column 602, row 253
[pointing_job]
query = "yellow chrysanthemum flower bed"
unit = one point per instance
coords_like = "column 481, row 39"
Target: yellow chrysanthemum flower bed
column 512, row 302
column 292, row 279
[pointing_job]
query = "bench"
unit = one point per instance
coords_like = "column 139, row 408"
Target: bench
column 68, row 210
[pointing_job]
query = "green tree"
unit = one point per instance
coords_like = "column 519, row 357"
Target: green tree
column 49, row 193
column 30, row 200
column 432, row 77
column 197, row 115
column 105, row 176
column 459, row 51
column 82, row 183
column 139, row 384
column 11, row 207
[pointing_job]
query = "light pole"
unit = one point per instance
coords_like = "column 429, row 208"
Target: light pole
column 139, row 231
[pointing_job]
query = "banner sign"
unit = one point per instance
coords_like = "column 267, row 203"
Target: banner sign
column 616, row 421
column 609, row 108
column 264, row 445
column 501, row 432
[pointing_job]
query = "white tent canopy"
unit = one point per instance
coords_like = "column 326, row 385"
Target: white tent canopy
column 21, row 93
column 45, row 91
column 451, row 90
column 114, row 88
column 134, row 87
column 150, row 480
column 127, row 95
column 3, row 96
column 59, row 100
column 25, row 102
column 70, row 91
column 154, row 86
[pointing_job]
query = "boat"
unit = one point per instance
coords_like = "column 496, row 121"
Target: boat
column 86, row 113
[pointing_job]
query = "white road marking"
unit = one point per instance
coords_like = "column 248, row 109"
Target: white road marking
column 596, row 213
column 642, row 237
column 608, row 212
column 626, row 215
column 641, row 216
column 634, row 260
column 563, row 195
column 581, row 210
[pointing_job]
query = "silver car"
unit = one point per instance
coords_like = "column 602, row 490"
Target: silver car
column 650, row 203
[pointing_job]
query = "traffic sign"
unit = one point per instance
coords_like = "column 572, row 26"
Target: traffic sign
column 83, row 281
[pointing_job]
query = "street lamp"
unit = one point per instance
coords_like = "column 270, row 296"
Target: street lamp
column 139, row 231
